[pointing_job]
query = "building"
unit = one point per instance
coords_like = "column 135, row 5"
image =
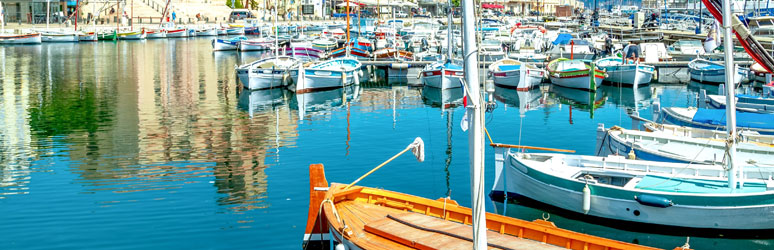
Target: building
column 524, row 7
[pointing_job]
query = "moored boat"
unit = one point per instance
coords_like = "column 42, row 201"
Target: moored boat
column 510, row 73
column 176, row 33
column 634, row 75
column 154, row 33
column 32, row 38
column 256, row 44
column 304, row 52
column 442, row 75
column 131, row 35
column 235, row 30
column 87, row 37
column 207, row 32
column 272, row 72
column 705, row 71
column 715, row 119
column 227, row 44
column 331, row 74
column 324, row 44
column 107, row 36
column 55, row 37
column 574, row 74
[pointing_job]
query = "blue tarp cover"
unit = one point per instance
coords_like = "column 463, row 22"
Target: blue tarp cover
column 452, row 66
column 745, row 120
column 509, row 67
column 563, row 38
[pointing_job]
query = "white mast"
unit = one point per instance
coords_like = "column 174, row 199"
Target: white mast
column 276, row 33
column 475, row 116
column 449, row 33
column 730, row 96
column 48, row 12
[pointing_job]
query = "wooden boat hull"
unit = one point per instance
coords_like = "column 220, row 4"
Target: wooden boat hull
column 368, row 218
column 90, row 37
column 59, row 38
column 518, row 176
column 179, row 33
column 138, row 35
column 207, row 32
column 574, row 77
column 34, row 38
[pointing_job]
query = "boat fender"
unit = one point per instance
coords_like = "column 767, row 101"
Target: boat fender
column 653, row 201
column 399, row 65
column 341, row 246
column 586, row 199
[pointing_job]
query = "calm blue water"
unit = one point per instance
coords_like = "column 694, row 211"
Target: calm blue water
column 151, row 144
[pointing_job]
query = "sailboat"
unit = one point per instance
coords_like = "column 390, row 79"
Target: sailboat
column 357, row 217
column 271, row 72
column 444, row 74
column 732, row 196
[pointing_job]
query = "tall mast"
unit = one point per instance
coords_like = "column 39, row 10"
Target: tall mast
column 276, row 33
column 346, row 43
column 449, row 33
column 730, row 96
column 48, row 12
column 77, row 2
column 475, row 116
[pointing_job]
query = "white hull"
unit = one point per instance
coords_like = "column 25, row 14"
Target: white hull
column 154, row 35
column 219, row 46
column 140, row 36
column 255, row 81
column 235, row 31
column 59, row 38
column 87, row 38
column 207, row 32
column 243, row 46
column 23, row 39
column 576, row 82
column 177, row 34
column 442, row 82
column 321, row 81
column 632, row 77
column 512, row 177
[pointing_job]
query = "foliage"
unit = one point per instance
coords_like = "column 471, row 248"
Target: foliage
column 237, row 4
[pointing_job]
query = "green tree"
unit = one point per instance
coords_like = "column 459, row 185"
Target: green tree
column 237, row 4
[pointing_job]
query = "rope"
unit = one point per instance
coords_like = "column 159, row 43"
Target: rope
column 441, row 232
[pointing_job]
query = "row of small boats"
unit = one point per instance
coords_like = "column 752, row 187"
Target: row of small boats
column 111, row 35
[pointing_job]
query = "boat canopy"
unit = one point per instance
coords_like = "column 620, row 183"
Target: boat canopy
column 747, row 120
column 563, row 38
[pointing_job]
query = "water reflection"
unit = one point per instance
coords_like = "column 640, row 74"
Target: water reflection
column 525, row 100
column 444, row 99
column 632, row 98
column 579, row 99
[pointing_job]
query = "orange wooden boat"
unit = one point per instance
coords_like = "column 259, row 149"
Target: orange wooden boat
column 390, row 54
column 370, row 218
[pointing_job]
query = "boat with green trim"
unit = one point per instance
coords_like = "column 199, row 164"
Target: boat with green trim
column 573, row 73
column 108, row 36
column 671, row 194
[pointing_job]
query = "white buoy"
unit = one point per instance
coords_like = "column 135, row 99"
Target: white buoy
column 341, row 246
column 586, row 199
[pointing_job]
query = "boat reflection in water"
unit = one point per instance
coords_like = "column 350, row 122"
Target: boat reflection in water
column 526, row 100
column 633, row 98
column 579, row 99
column 254, row 101
column 442, row 98
column 322, row 102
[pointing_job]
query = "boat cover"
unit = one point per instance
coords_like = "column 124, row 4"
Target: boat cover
column 563, row 38
column 745, row 120
column 509, row 67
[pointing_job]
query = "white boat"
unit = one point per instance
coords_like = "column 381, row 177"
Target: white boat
column 304, row 51
column 634, row 75
column 154, row 33
column 574, row 74
column 54, row 37
column 227, row 44
column 329, row 74
column 510, row 73
column 638, row 191
column 714, row 119
column 191, row 32
column 222, row 31
column 87, row 37
column 686, row 50
column 324, row 44
column 746, row 103
column 235, row 30
column 567, row 47
column 665, row 147
column 207, row 32
column 32, row 38
column 176, row 33
column 491, row 50
column 704, row 71
column 256, row 44
column 266, row 73
column 443, row 75
column 131, row 35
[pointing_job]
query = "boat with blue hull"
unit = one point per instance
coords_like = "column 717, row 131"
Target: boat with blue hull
column 705, row 71
column 638, row 191
column 331, row 74
column 666, row 147
column 715, row 119
column 747, row 103
column 227, row 44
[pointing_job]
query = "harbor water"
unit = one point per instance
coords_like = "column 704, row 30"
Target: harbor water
column 153, row 144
